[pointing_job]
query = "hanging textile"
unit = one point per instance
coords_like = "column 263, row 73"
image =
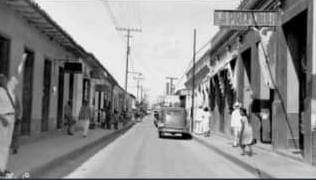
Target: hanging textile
column 264, row 57
column 230, row 73
column 199, row 97
column 236, row 72
column 212, row 94
column 221, row 83
column 205, row 94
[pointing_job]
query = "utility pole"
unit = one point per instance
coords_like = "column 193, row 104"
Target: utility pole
column 141, row 93
column 138, row 86
column 171, row 84
column 193, row 80
column 129, row 30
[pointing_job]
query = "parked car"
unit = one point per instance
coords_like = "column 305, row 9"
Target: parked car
column 173, row 122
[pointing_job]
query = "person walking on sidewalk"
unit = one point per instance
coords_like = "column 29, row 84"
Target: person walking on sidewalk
column 69, row 118
column 8, row 116
column 236, row 123
column 85, row 115
column 246, row 134
column 206, row 122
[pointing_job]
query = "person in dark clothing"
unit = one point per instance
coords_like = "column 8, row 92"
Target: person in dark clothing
column 69, row 121
column 108, row 117
column 116, row 119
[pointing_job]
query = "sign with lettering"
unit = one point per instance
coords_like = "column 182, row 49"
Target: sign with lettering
column 73, row 67
column 246, row 18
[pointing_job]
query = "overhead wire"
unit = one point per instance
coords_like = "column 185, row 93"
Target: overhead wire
column 190, row 63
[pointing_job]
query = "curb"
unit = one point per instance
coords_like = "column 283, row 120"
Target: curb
column 38, row 171
column 268, row 150
column 244, row 165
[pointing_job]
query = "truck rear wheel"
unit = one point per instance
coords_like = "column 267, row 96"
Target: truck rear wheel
column 160, row 134
column 187, row 136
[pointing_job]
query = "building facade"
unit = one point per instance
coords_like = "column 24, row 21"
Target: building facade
column 56, row 68
column 271, row 71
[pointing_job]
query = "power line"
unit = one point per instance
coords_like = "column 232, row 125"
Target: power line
column 190, row 62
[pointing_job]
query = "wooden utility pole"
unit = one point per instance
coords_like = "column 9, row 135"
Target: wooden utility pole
column 193, row 80
column 129, row 30
column 138, row 79
column 171, row 84
column 128, row 48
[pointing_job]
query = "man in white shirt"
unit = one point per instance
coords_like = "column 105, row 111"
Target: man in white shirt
column 8, row 114
column 7, row 118
column 236, row 123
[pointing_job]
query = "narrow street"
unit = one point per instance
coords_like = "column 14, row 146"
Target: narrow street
column 141, row 154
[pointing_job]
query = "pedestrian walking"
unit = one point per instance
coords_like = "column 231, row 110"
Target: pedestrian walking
column 7, row 119
column 85, row 115
column 69, row 119
column 10, row 111
column 236, row 123
column 246, row 134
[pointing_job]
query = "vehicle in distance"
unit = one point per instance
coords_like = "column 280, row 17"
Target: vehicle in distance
column 173, row 122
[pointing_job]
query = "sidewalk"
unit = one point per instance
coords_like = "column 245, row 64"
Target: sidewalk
column 264, row 163
column 39, row 154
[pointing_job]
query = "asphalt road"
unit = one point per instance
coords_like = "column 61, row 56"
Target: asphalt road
column 141, row 154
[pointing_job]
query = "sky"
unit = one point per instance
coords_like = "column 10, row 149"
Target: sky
column 163, row 48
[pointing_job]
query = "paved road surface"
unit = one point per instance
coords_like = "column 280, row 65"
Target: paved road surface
column 141, row 154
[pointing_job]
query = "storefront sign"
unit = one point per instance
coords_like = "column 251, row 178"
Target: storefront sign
column 242, row 18
column 73, row 67
column 101, row 87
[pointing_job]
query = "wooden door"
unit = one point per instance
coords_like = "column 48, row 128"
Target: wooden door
column 46, row 95
column 27, row 93
column 60, row 103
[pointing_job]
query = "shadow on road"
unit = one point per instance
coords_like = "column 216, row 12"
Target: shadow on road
column 188, row 137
